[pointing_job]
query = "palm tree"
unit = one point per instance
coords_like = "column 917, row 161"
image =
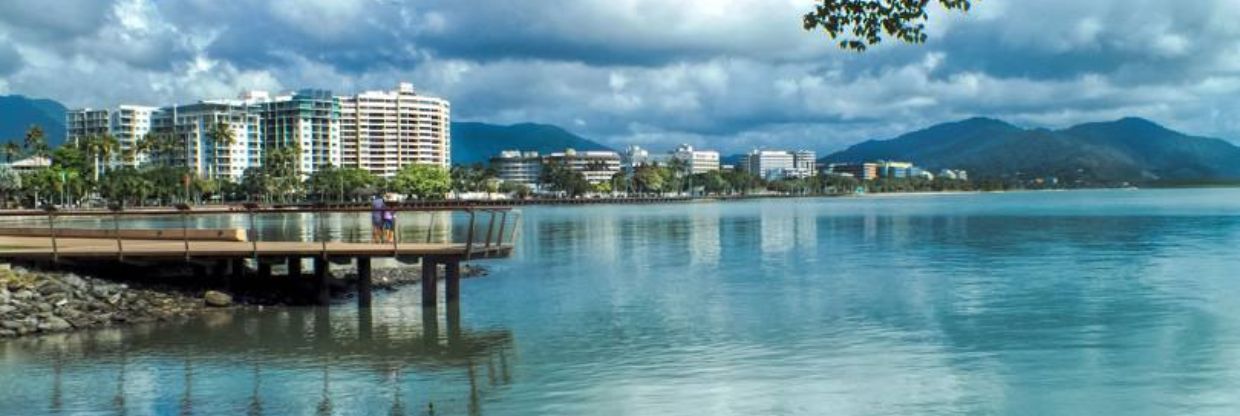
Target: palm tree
column 100, row 148
column 36, row 141
column 11, row 151
column 221, row 135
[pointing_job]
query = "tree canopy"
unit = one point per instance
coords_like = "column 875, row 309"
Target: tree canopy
column 858, row 24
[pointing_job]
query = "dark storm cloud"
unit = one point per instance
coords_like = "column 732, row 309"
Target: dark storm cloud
column 730, row 74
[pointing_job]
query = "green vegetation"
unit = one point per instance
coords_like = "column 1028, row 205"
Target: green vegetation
column 863, row 23
column 422, row 181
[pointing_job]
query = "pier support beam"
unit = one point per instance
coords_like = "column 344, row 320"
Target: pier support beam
column 430, row 282
column 264, row 270
column 321, row 284
column 294, row 267
column 363, row 282
column 452, row 288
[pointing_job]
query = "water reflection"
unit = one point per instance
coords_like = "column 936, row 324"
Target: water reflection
column 360, row 359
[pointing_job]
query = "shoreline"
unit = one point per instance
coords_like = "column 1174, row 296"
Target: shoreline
column 36, row 301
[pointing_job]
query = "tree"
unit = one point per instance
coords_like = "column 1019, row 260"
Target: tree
column 10, row 184
column 36, row 142
column 11, row 151
column 340, row 183
column 98, row 148
column 221, row 136
column 562, row 178
column 422, row 181
column 649, row 179
column 858, row 24
column 517, row 190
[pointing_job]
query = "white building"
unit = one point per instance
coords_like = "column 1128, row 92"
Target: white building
column 383, row 131
column 191, row 127
column 308, row 120
column 598, row 166
column 698, row 161
column 769, row 164
column 804, row 164
column 518, row 167
column 128, row 124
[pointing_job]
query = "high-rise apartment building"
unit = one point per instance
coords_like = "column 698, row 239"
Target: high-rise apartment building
column 307, row 120
column 198, row 149
column 128, row 124
column 769, row 164
column 383, row 131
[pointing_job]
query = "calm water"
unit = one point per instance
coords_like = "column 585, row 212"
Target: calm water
column 1097, row 302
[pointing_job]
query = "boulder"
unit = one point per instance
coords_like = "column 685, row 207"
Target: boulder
column 217, row 299
column 55, row 324
column 23, row 294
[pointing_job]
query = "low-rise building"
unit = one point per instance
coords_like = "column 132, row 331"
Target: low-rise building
column 597, row 166
column 518, row 167
column 697, row 161
column 862, row 171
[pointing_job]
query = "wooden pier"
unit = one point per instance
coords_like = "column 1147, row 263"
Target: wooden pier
column 225, row 252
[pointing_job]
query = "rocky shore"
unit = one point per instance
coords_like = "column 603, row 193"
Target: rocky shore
column 45, row 301
column 34, row 302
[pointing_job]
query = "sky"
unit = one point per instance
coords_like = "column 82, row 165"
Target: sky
column 724, row 74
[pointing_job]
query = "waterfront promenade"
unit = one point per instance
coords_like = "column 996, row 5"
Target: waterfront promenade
column 230, row 253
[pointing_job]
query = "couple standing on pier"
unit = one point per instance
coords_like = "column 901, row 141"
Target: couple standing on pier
column 383, row 220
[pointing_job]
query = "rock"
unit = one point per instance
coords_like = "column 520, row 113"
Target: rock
column 11, row 325
column 74, row 281
column 55, row 324
column 217, row 299
column 7, row 333
column 51, row 288
column 7, row 309
column 24, row 294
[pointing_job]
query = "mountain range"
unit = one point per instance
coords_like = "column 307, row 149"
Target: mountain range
column 1131, row 150
column 477, row 142
column 18, row 113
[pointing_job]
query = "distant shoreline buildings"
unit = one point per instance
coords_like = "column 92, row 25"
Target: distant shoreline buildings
column 885, row 169
column 377, row 131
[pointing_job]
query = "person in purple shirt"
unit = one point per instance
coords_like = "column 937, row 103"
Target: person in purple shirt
column 389, row 224
column 378, row 209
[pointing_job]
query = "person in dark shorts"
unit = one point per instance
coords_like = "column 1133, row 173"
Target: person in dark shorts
column 378, row 210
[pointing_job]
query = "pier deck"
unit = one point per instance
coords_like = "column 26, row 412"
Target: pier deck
column 40, row 248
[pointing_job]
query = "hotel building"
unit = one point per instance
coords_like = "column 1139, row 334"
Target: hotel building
column 191, row 126
column 383, row 131
column 128, row 124
column 698, row 161
column 518, row 167
column 598, row 166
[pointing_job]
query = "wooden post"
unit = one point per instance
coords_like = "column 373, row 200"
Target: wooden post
column 363, row 282
column 452, row 289
column 430, row 282
column 264, row 269
column 321, row 281
column 238, row 273
column 294, row 267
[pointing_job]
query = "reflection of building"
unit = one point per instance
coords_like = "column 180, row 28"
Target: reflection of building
column 697, row 161
column 383, row 131
column 597, row 165
column 518, row 167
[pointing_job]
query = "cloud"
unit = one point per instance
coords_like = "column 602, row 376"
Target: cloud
column 729, row 74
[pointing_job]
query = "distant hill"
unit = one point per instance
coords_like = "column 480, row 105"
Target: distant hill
column 18, row 113
column 478, row 142
column 1127, row 150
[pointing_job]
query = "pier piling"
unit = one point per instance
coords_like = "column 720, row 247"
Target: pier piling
column 363, row 282
column 430, row 282
column 322, row 286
